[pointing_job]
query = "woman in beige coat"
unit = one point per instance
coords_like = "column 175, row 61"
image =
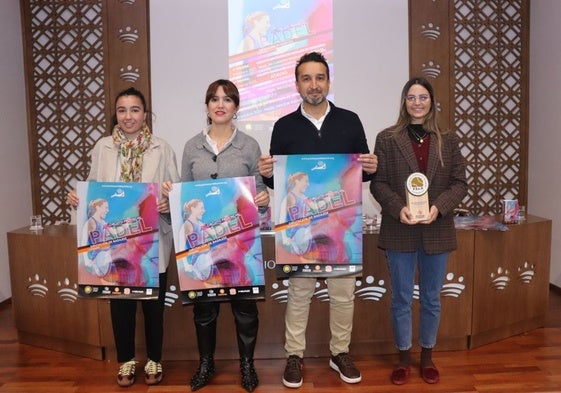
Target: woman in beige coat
column 133, row 154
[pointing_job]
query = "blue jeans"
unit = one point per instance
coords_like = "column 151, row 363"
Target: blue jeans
column 432, row 270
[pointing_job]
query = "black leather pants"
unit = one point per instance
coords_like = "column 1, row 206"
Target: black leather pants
column 247, row 324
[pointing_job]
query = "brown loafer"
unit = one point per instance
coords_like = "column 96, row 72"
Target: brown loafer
column 430, row 374
column 400, row 375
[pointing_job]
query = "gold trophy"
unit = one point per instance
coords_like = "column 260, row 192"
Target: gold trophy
column 416, row 188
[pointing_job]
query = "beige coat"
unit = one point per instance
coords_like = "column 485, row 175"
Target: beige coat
column 159, row 165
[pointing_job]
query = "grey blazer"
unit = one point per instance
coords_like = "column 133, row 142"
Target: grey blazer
column 239, row 158
column 158, row 165
column 447, row 188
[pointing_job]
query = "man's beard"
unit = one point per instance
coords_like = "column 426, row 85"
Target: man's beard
column 314, row 101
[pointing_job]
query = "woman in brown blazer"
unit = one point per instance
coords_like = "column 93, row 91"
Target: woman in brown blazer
column 417, row 144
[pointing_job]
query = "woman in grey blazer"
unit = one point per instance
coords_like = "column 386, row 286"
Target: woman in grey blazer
column 417, row 144
column 220, row 151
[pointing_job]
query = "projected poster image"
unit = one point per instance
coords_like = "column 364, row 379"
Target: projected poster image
column 266, row 38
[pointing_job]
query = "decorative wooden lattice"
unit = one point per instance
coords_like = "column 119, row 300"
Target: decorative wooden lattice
column 490, row 99
column 79, row 53
column 65, row 74
column 475, row 55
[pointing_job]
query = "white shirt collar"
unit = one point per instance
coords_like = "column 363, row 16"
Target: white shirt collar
column 213, row 144
column 316, row 122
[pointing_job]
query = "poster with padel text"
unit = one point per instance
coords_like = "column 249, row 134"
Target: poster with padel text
column 318, row 219
column 217, row 240
column 117, row 240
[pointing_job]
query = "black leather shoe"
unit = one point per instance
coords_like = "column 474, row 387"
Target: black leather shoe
column 204, row 373
column 249, row 376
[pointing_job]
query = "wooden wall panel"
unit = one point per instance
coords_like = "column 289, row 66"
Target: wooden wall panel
column 429, row 51
column 78, row 55
column 128, row 47
column 475, row 53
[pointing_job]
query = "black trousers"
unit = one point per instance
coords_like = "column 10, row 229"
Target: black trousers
column 123, row 319
column 247, row 324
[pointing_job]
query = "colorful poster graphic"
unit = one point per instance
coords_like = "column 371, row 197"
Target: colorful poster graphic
column 117, row 237
column 266, row 38
column 318, row 205
column 217, row 240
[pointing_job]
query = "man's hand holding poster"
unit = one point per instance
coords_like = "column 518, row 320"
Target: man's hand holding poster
column 217, row 239
column 318, row 205
column 117, row 239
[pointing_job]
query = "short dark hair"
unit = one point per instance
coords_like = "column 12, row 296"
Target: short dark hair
column 230, row 89
column 308, row 57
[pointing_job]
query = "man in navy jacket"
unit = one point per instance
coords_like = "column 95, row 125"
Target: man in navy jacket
column 317, row 127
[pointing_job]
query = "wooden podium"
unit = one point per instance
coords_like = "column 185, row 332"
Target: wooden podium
column 511, row 280
column 43, row 273
column 496, row 286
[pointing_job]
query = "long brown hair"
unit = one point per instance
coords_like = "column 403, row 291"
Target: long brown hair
column 430, row 122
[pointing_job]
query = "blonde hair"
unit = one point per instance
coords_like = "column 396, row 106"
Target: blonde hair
column 188, row 206
column 293, row 178
column 94, row 204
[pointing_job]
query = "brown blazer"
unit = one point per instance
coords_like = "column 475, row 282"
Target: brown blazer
column 447, row 188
